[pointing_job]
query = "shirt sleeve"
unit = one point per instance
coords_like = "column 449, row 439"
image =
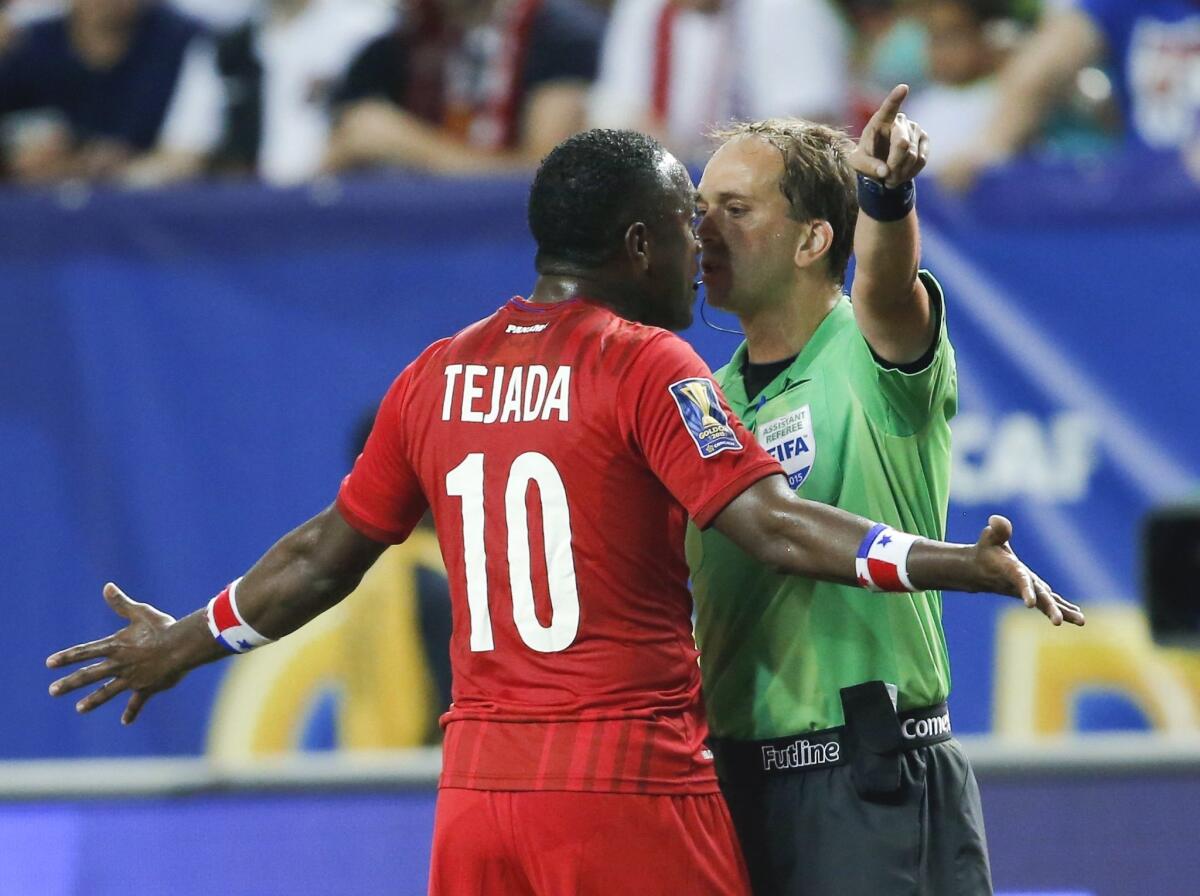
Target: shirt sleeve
column 904, row 399
column 382, row 497
column 676, row 416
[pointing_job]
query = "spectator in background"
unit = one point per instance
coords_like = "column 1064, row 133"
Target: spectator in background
column 675, row 68
column 220, row 15
column 259, row 100
column 1153, row 47
column 469, row 86
column 962, row 62
column 14, row 14
column 888, row 48
column 93, row 85
column 22, row 12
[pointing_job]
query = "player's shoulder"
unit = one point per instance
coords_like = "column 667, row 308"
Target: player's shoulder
column 466, row 339
column 430, row 355
column 444, row 350
column 726, row 372
column 407, row 381
column 617, row 330
column 628, row 343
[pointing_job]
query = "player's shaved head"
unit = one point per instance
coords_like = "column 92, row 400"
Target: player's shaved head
column 591, row 187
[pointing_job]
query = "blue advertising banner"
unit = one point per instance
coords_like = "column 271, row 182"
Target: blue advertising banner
column 378, row 843
column 185, row 375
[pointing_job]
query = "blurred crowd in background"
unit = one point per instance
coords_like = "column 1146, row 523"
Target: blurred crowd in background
column 147, row 92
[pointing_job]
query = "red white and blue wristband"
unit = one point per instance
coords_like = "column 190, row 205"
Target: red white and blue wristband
column 227, row 625
column 882, row 560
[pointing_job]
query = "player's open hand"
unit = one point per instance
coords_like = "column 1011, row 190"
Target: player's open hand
column 138, row 658
column 1006, row 574
column 893, row 148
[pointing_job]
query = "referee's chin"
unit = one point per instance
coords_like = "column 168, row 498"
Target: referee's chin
column 717, row 297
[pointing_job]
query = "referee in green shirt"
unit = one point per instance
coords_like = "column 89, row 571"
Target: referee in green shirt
column 827, row 703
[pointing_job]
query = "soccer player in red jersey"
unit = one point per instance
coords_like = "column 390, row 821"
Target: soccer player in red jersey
column 561, row 443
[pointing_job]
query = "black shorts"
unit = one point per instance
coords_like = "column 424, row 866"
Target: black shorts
column 815, row 832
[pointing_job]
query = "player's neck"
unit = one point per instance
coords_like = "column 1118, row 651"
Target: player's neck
column 553, row 288
column 782, row 328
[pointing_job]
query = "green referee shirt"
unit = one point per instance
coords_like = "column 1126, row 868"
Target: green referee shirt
column 776, row 649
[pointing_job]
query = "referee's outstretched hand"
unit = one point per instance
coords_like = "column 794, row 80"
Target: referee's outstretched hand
column 893, row 148
column 1008, row 575
column 138, row 658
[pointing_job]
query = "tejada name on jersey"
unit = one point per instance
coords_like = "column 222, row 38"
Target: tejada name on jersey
column 479, row 394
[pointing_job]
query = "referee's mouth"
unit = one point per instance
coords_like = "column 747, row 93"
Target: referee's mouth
column 710, row 269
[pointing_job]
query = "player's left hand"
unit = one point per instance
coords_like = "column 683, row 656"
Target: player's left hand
column 1006, row 574
column 893, row 148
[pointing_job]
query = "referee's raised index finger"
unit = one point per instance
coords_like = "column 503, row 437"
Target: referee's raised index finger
column 888, row 110
column 80, row 652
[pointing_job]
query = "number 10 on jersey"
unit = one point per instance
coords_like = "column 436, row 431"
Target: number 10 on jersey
column 466, row 482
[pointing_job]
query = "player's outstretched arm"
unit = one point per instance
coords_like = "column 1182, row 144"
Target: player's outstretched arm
column 305, row 573
column 805, row 538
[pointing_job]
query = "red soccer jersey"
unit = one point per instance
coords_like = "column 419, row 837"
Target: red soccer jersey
column 560, row 447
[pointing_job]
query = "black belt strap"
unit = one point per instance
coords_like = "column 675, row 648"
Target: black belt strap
column 747, row 760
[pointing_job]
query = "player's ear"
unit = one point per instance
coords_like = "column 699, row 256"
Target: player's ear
column 814, row 244
column 637, row 245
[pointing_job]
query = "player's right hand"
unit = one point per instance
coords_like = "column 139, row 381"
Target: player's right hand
column 138, row 658
column 1004, row 573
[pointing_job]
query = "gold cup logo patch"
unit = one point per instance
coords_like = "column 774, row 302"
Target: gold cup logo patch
column 701, row 398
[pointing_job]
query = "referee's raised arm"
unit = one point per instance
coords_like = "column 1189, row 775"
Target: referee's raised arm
column 891, row 305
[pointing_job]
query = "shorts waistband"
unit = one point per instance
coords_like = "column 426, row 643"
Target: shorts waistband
column 826, row 748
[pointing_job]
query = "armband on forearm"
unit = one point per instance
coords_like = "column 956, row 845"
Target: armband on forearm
column 884, row 203
column 227, row 625
column 882, row 560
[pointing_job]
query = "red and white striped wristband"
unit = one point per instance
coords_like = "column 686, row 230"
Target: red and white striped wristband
column 882, row 560
column 227, row 625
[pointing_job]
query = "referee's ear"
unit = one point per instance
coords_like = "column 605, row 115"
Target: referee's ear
column 814, row 244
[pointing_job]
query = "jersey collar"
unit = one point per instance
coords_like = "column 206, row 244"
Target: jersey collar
column 734, row 384
column 519, row 303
